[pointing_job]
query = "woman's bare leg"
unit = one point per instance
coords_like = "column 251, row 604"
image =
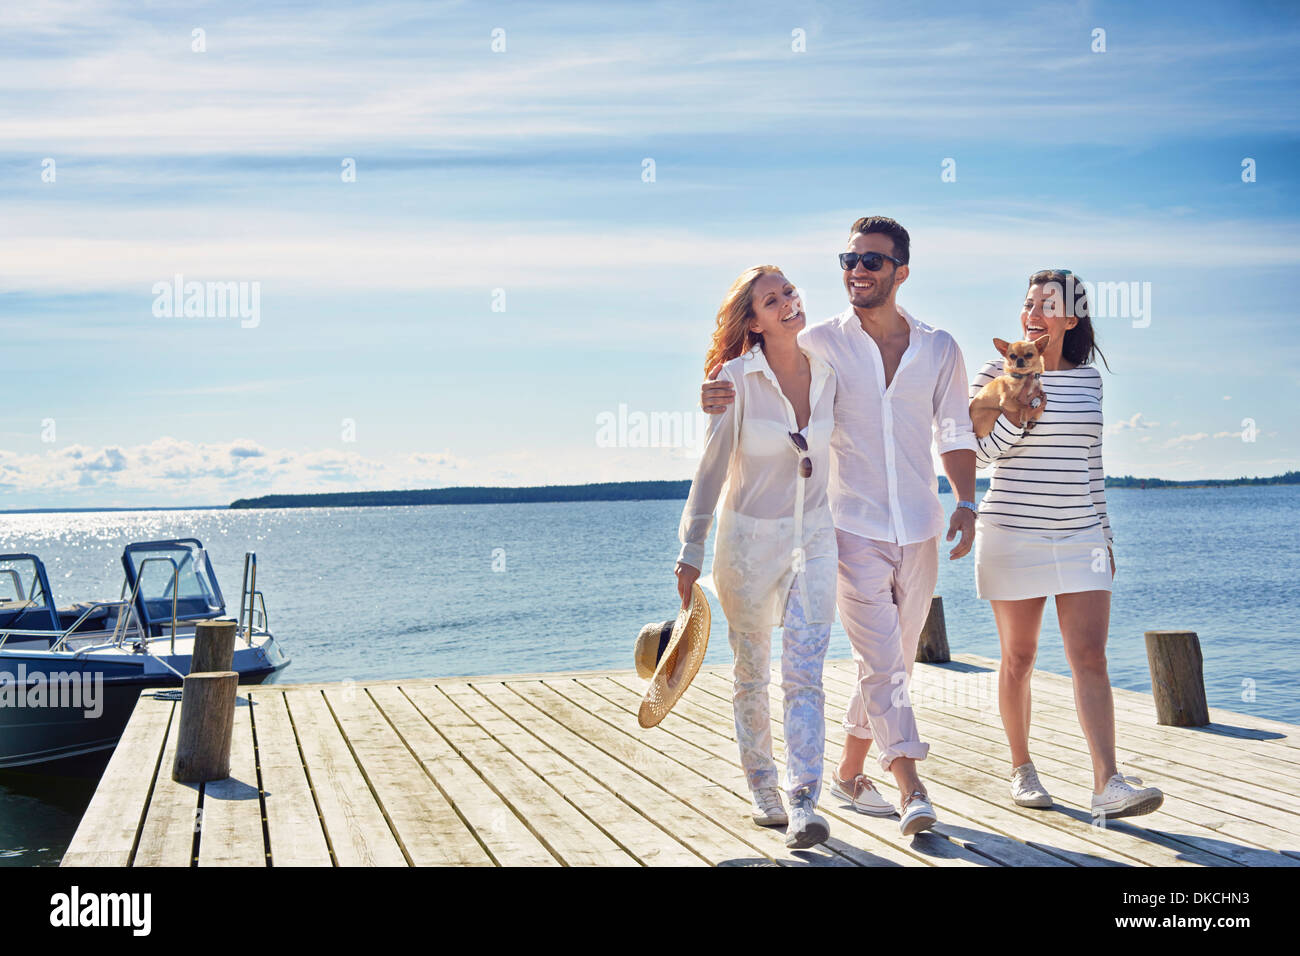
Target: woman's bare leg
column 1018, row 626
column 1085, row 624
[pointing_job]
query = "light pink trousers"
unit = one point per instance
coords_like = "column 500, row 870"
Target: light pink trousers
column 884, row 596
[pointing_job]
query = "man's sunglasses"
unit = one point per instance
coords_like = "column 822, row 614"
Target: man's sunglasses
column 871, row 261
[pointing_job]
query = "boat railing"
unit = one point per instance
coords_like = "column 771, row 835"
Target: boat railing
column 252, row 603
column 120, row 627
column 126, row 612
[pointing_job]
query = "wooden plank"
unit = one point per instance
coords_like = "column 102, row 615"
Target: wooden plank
column 1227, row 722
column 428, row 828
column 437, row 681
column 1146, row 845
column 1261, row 822
column 568, row 834
column 293, row 825
column 962, row 822
column 167, row 837
column 696, row 831
column 354, row 823
column 1197, row 834
column 638, row 837
column 968, row 829
column 230, row 832
column 631, row 747
column 957, row 848
column 542, row 770
column 714, row 787
column 1242, row 773
column 1193, row 743
column 106, row 835
column 504, row 836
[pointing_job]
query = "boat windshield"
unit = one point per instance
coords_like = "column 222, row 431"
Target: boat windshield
column 24, row 600
column 174, row 568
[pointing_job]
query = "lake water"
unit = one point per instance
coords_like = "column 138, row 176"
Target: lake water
column 369, row 593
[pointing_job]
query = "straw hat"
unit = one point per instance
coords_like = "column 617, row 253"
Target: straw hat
column 669, row 655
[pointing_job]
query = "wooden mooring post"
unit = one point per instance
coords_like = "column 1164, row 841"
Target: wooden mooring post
column 214, row 646
column 1177, row 678
column 933, row 645
column 207, row 727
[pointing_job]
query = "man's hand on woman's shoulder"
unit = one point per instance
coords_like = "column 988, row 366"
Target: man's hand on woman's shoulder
column 716, row 396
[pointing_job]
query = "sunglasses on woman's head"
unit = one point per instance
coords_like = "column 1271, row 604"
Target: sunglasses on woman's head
column 871, row 261
column 801, row 443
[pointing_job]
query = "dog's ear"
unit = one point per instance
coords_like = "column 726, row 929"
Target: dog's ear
column 1001, row 345
column 1040, row 343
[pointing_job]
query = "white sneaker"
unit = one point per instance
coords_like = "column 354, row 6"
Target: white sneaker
column 862, row 794
column 768, row 810
column 918, row 814
column 1026, row 789
column 807, row 827
column 1121, row 799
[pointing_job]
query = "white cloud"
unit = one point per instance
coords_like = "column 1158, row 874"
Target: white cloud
column 170, row 471
column 1136, row 422
column 133, row 249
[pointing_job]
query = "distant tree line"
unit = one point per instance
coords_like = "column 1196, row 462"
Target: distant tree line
column 608, row 491
column 1128, row 481
column 632, row 491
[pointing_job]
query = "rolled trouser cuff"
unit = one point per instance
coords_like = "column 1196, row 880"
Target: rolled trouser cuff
column 908, row 748
column 853, row 730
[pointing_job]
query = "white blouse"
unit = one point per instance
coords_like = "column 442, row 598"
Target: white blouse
column 1048, row 478
column 763, row 541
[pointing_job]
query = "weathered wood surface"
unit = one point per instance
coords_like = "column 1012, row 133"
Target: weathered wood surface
column 207, row 726
column 1177, row 678
column 553, row 770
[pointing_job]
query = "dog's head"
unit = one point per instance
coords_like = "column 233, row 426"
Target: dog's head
column 1024, row 357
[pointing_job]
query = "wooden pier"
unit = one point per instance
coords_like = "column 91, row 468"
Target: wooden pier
column 553, row 770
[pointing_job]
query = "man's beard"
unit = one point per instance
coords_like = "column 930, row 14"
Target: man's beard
column 881, row 294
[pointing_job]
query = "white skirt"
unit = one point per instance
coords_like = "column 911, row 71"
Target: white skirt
column 1012, row 564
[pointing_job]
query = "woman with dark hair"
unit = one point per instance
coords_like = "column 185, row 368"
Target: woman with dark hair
column 774, row 562
column 1042, row 530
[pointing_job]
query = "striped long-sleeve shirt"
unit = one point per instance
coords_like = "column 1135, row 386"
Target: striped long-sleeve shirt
column 1049, row 477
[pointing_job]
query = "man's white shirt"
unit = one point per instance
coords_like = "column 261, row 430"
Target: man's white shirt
column 882, row 479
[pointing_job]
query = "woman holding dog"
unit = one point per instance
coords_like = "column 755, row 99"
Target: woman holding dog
column 775, row 556
column 1043, row 531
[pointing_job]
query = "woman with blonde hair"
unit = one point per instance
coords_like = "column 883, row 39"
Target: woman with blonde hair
column 775, row 556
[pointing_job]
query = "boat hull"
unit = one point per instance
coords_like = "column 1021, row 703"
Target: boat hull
column 87, row 715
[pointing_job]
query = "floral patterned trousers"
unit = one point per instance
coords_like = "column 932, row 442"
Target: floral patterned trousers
column 802, row 653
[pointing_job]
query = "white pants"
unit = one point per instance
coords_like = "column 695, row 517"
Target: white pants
column 884, row 596
column 802, row 652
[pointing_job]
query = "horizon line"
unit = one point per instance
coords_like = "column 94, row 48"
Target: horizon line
column 449, row 488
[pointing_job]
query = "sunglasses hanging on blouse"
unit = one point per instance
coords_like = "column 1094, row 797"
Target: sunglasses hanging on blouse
column 801, row 443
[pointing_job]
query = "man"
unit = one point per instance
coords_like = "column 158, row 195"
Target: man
column 901, row 385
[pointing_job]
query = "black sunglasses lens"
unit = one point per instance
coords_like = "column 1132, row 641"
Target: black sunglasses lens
column 805, row 468
column 799, row 441
column 871, row 261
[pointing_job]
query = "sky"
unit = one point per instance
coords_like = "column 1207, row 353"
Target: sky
column 469, row 236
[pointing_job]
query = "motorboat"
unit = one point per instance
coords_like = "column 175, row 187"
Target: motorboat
column 70, row 676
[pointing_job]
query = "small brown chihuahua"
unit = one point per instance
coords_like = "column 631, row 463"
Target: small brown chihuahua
column 1017, row 391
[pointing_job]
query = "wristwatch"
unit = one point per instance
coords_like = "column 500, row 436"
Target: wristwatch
column 967, row 504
